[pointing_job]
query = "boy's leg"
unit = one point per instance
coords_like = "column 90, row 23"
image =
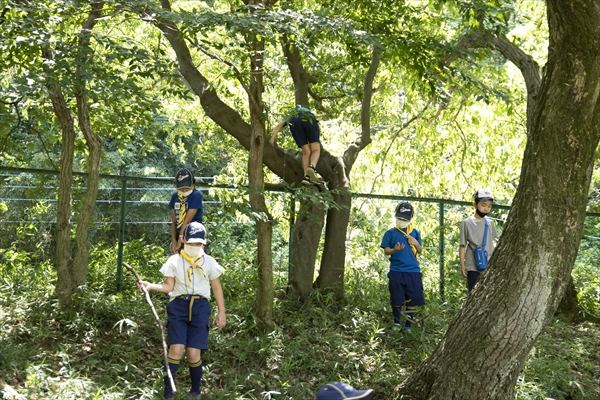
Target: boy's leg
column 414, row 296
column 305, row 158
column 197, row 340
column 315, row 152
column 194, row 357
column 174, row 357
column 177, row 315
column 396, row 295
column 472, row 278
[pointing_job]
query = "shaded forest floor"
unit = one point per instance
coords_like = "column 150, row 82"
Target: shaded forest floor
column 109, row 348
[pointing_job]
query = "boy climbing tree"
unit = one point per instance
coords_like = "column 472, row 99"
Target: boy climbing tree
column 305, row 130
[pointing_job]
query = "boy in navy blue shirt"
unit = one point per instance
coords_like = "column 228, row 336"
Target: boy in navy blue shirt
column 403, row 243
column 185, row 205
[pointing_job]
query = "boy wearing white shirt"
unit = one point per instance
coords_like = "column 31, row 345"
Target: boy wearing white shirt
column 188, row 279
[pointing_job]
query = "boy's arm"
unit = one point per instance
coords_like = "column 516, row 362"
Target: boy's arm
column 276, row 130
column 414, row 242
column 165, row 287
column 461, row 255
column 173, row 232
column 217, row 290
column 388, row 251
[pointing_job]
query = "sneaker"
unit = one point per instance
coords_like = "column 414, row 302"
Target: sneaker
column 194, row 396
column 305, row 180
column 312, row 176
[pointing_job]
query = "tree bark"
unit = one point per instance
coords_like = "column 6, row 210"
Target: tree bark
column 64, row 282
column 264, row 229
column 486, row 345
column 94, row 145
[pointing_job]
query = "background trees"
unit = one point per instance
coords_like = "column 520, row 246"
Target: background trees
column 413, row 99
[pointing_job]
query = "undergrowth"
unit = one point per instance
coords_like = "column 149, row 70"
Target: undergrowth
column 108, row 346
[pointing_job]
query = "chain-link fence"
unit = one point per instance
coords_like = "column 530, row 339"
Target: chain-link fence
column 135, row 207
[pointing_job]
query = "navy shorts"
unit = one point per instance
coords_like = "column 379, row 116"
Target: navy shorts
column 406, row 288
column 305, row 130
column 472, row 279
column 192, row 333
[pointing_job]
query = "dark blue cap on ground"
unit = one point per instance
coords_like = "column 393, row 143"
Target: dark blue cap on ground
column 342, row 391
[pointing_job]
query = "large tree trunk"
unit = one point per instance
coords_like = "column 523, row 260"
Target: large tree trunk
column 64, row 283
column 305, row 241
column 94, row 145
column 331, row 272
column 486, row 345
column 264, row 230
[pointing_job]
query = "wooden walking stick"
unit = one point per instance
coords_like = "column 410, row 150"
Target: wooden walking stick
column 162, row 330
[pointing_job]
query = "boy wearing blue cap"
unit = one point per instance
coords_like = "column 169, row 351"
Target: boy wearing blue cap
column 185, row 205
column 403, row 243
column 342, row 391
column 189, row 277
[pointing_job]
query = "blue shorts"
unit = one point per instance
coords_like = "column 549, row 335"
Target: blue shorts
column 181, row 330
column 305, row 130
column 406, row 288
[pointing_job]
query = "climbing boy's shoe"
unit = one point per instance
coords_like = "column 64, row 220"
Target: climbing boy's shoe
column 194, row 396
column 311, row 174
column 341, row 391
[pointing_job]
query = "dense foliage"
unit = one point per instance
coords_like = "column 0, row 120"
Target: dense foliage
column 438, row 130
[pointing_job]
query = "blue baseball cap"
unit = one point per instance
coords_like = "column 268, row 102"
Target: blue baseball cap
column 342, row 391
column 194, row 233
column 404, row 210
column 184, row 178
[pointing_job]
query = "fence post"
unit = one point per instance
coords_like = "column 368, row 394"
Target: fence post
column 121, row 232
column 441, row 251
column 292, row 219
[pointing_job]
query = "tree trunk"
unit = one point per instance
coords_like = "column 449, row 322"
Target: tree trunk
column 94, row 145
column 264, row 229
column 331, row 272
column 64, row 282
column 305, row 242
column 486, row 345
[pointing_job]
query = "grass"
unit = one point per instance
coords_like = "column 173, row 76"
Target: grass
column 109, row 348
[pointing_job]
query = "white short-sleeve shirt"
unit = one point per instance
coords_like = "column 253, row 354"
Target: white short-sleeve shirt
column 191, row 280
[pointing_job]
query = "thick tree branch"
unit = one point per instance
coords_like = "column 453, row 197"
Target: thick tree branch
column 282, row 163
column 355, row 148
column 529, row 68
column 300, row 76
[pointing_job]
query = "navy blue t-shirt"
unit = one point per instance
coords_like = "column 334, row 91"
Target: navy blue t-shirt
column 404, row 260
column 194, row 200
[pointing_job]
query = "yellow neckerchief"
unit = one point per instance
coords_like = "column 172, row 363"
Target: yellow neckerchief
column 182, row 210
column 409, row 229
column 193, row 265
